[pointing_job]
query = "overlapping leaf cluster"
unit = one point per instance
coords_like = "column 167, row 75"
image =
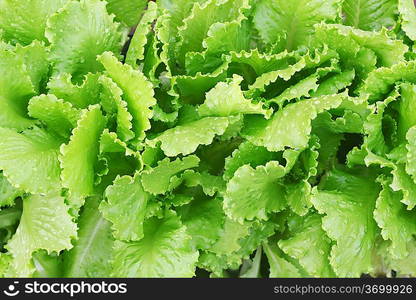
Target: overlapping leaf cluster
column 243, row 138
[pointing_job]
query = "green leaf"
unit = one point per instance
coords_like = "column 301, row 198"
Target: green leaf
column 59, row 116
column 411, row 150
column 407, row 109
column 290, row 126
column 137, row 92
column 79, row 156
column 371, row 14
column 204, row 219
column 389, row 51
column 110, row 143
column 112, row 102
column 29, row 160
column 348, row 201
column 395, row 221
column 16, row 88
column 191, row 135
column 305, row 87
column 329, row 149
column 210, row 184
column 302, row 89
column 335, row 83
column 228, row 99
column 404, row 267
column 259, row 232
column 289, row 24
column 136, row 51
column 178, row 11
column 47, row 266
column 217, row 265
column 218, row 40
column 271, row 68
column 303, row 165
column 87, row 27
column 126, row 11
column 218, row 43
column 228, row 242
column 36, row 61
column 8, row 193
column 10, row 217
column 16, row 24
column 280, row 267
column 381, row 81
column 125, row 207
column 197, row 24
column 349, row 122
column 310, row 245
column 152, row 62
column 404, row 182
column 251, row 268
column 246, row 154
column 407, row 12
column 5, row 260
column 350, row 52
column 265, row 63
column 222, row 129
column 298, row 197
column 174, row 12
column 80, row 96
column 45, row 224
column 254, row 193
column 165, row 251
column 236, row 243
column 375, row 140
column 89, row 256
column 159, row 179
column 116, row 159
column 192, row 88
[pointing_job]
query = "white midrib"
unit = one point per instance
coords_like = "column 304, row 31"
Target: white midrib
column 357, row 14
column 290, row 38
column 271, row 255
column 86, row 249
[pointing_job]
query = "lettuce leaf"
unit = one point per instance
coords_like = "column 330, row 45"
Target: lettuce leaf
column 82, row 151
column 295, row 119
column 347, row 201
column 408, row 15
column 89, row 255
column 289, row 24
column 195, row 138
column 192, row 134
column 128, row 12
column 165, row 251
column 370, row 15
column 253, row 193
column 125, row 196
column 18, row 27
column 45, row 224
column 99, row 34
column 29, row 160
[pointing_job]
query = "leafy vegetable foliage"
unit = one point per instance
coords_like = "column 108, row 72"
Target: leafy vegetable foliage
column 239, row 137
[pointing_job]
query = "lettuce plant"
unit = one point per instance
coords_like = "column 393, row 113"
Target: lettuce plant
column 224, row 138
